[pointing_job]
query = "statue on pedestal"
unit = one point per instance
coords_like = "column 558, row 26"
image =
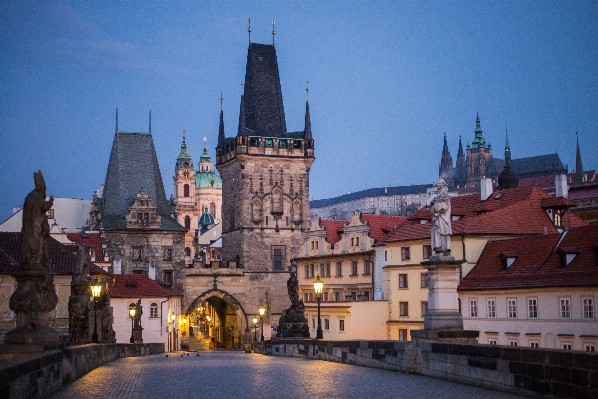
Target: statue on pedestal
column 35, row 296
column 292, row 322
column 79, row 299
column 440, row 210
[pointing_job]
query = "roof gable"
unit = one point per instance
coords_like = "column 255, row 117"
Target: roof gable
column 138, row 286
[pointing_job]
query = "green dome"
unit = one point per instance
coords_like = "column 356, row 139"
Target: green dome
column 207, row 180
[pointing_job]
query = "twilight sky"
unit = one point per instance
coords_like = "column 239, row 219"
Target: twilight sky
column 386, row 80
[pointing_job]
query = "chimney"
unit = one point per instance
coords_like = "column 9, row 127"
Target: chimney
column 560, row 183
column 485, row 188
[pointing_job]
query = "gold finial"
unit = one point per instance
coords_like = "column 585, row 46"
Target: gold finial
column 249, row 29
column 184, row 135
column 273, row 31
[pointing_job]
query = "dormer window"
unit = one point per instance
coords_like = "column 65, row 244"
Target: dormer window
column 354, row 241
column 566, row 255
column 508, row 258
column 314, row 245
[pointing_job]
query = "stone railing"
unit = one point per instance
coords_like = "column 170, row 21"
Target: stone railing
column 41, row 374
column 518, row 370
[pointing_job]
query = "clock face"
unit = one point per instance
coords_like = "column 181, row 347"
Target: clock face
column 186, row 164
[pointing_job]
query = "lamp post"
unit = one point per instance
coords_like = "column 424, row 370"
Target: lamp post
column 254, row 329
column 132, row 311
column 96, row 290
column 262, row 310
column 318, row 287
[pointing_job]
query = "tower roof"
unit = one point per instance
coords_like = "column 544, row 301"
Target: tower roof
column 508, row 177
column 478, row 141
column 262, row 96
column 184, row 159
column 579, row 176
column 133, row 165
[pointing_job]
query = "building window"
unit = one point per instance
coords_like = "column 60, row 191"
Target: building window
column 339, row 269
column 424, row 307
column 313, row 323
column 154, row 310
column 305, row 297
column 405, row 255
column 534, row 344
column 282, row 143
column 513, row 342
column 138, row 272
column 168, row 276
column 50, row 214
column 354, row 241
column 403, row 308
column 590, row 348
column 268, row 143
column 427, row 251
column 403, row 281
column 385, row 256
column 588, row 308
column 424, row 280
column 254, row 142
column 314, row 245
column 278, row 259
column 473, row 308
column 167, row 254
column 366, row 267
column 325, row 269
column 567, row 346
column 187, row 251
column 353, row 268
column 337, row 296
column 325, row 296
column 306, row 268
column 326, row 324
column 512, row 308
column 187, row 222
column 402, row 334
column 137, row 253
column 532, row 308
column 491, row 341
column 565, row 308
column 491, row 308
column 341, row 325
column 186, row 190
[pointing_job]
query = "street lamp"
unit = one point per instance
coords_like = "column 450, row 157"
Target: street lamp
column 254, row 329
column 96, row 290
column 318, row 287
column 262, row 310
column 132, row 310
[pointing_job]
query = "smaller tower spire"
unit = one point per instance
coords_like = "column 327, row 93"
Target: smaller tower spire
column 579, row 175
column 249, row 29
column 221, row 127
column 273, row 31
column 150, row 122
column 242, row 118
column 307, row 131
column 116, row 129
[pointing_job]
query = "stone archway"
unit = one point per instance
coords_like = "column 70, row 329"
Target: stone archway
column 230, row 301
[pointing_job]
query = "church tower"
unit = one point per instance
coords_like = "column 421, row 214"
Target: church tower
column 460, row 168
column 184, row 195
column 479, row 155
column 446, row 171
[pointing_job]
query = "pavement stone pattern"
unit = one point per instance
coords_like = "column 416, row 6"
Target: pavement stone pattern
column 234, row 374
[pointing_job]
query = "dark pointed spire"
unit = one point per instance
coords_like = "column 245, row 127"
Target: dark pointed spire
column 116, row 129
column 221, row 128
column 242, row 117
column 150, row 122
column 445, row 170
column 508, row 178
column 307, row 132
column 579, row 175
column 460, row 169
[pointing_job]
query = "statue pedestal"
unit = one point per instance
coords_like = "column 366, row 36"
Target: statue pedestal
column 137, row 335
column 443, row 302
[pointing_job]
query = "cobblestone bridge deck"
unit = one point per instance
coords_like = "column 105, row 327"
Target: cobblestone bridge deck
column 226, row 374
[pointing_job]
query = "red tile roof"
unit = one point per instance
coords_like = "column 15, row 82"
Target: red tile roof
column 91, row 239
column 539, row 263
column 63, row 260
column 515, row 211
column 334, row 228
column 138, row 286
column 381, row 225
column 583, row 192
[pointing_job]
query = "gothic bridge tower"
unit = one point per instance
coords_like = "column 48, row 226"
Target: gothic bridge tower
column 265, row 201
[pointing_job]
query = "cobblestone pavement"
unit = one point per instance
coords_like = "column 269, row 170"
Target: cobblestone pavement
column 239, row 375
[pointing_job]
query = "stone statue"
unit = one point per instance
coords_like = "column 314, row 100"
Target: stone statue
column 138, row 313
column 440, row 210
column 36, row 229
column 292, row 322
column 79, row 299
column 35, row 296
column 105, row 315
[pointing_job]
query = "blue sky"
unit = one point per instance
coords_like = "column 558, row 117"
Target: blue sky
column 386, row 80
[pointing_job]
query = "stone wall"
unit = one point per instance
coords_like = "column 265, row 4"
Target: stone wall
column 41, row 374
column 518, row 370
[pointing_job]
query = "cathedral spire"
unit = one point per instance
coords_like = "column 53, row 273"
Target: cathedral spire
column 460, row 168
column 221, row 128
column 307, row 131
column 445, row 171
column 478, row 140
column 579, row 175
column 116, row 129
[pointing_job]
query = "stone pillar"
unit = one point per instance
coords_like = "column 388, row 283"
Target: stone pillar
column 443, row 301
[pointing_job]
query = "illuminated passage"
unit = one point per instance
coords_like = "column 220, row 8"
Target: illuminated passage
column 240, row 375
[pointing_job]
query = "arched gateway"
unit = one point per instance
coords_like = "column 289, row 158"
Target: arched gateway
column 227, row 321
